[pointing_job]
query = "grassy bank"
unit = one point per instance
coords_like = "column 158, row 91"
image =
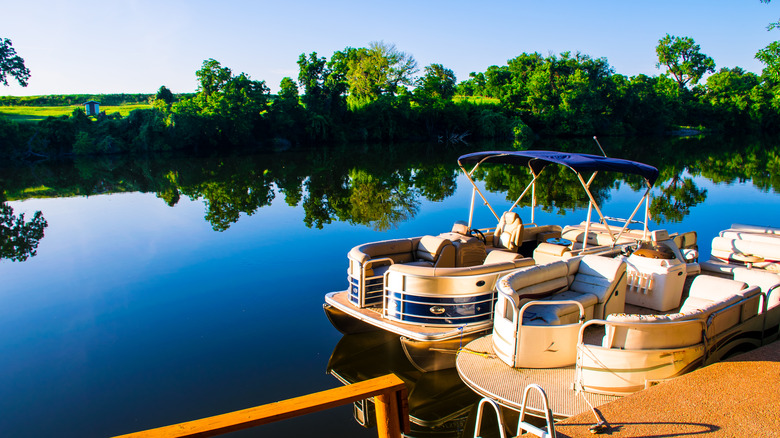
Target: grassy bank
column 38, row 113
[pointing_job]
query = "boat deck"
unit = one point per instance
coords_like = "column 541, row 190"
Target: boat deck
column 736, row 397
column 373, row 316
column 488, row 376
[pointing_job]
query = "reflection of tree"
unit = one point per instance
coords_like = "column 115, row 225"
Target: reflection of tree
column 380, row 186
column 227, row 199
column 436, row 182
column 676, row 200
column 19, row 239
column 382, row 203
column 557, row 189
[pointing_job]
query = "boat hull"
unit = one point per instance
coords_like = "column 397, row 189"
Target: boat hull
column 341, row 314
column 431, row 356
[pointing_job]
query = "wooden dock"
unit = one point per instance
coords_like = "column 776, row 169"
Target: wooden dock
column 739, row 397
column 389, row 393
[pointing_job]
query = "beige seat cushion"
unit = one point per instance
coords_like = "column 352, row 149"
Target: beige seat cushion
column 435, row 251
column 509, row 232
column 654, row 333
column 559, row 314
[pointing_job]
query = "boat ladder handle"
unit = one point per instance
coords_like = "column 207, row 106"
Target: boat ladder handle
column 522, row 425
column 499, row 416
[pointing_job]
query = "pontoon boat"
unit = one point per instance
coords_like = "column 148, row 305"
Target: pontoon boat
column 589, row 328
column 438, row 292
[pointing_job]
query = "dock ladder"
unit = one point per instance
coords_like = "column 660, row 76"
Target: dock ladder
column 521, row 425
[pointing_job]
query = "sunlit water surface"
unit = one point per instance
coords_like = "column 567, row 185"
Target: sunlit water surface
column 135, row 315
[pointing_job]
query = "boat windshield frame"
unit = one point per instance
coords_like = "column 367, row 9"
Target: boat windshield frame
column 536, row 161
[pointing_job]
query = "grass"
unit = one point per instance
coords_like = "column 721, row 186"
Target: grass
column 476, row 99
column 38, row 113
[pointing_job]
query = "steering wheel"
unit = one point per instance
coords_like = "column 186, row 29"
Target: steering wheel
column 628, row 250
column 478, row 234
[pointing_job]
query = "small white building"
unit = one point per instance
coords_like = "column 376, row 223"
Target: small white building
column 92, row 108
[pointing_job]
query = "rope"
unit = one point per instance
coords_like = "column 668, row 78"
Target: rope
column 601, row 424
column 484, row 354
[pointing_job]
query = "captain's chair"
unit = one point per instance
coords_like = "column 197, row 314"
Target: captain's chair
column 509, row 232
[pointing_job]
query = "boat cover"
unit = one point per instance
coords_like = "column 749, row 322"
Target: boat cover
column 580, row 163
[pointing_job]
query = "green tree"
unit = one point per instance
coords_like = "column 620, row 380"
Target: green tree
column 438, row 83
column 212, row 77
column 164, row 94
column 12, row 64
column 683, row 60
column 312, row 73
column 378, row 70
column 730, row 95
column 770, row 57
column 227, row 108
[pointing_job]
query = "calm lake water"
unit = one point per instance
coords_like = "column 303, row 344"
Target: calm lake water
column 137, row 314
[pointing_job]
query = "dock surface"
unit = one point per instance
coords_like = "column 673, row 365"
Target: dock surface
column 739, row 397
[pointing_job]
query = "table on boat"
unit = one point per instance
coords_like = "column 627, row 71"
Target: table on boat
column 483, row 372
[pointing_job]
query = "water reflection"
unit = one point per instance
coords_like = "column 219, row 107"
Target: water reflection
column 439, row 402
column 382, row 187
column 19, row 238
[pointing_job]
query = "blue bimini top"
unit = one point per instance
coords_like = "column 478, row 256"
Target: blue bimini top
column 580, row 163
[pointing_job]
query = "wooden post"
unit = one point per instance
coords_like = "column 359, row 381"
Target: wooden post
column 392, row 415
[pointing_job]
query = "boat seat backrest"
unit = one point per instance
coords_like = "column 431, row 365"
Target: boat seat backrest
column 549, row 252
column 605, row 278
column 721, row 296
column 598, row 234
column 509, row 232
column 725, row 248
column 548, row 282
column 438, row 252
column 715, row 288
column 772, row 239
column 533, row 275
column 756, row 229
column 460, row 227
column 768, row 282
column 398, row 250
column 653, row 333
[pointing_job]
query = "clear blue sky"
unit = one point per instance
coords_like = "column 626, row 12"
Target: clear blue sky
column 135, row 46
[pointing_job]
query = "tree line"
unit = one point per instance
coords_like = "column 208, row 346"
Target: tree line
column 369, row 186
column 378, row 94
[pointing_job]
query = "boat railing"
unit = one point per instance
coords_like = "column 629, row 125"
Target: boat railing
column 389, row 393
column 366, row 290
column 632, row 354
column 641, row 326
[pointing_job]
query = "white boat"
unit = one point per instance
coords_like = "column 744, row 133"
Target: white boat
column 590, row 328
column 438, row 291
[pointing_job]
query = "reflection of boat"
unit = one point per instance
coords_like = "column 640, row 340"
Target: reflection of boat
column 549, row 328
column 438, row 292
column 439, row 402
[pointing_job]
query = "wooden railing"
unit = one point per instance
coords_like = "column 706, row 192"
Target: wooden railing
column 390, row 398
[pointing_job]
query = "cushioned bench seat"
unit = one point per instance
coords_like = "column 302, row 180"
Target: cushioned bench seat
column 598, row 283
column 708, row 296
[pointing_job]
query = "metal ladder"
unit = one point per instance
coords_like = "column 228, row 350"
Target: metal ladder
column 521, row 425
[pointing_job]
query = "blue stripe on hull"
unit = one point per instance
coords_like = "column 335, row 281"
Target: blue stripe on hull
column 440, row 310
